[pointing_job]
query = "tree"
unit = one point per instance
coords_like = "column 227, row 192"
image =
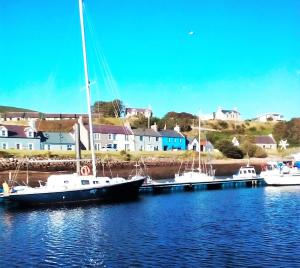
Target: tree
column 113, row 108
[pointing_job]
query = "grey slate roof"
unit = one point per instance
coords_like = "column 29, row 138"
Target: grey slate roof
column 111, row 129
column 146, row 132
column 171, row 134
column 139, row 110
column 230, row 111
column 57, row 138
column 264, row 140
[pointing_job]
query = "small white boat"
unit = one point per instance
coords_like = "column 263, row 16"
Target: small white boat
column 280, row 174
column 246, row 172
column 193, row 177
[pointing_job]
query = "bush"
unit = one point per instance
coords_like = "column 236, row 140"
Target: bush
column 253, row 150
column 229, row 150
column 253, row 129
column 223, row 124
column 260, row 153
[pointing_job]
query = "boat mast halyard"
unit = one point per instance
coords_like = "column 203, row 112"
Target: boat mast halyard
column 199, row 156
column 87, row 85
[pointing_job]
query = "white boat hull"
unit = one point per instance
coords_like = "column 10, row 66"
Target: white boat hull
column 281, row 180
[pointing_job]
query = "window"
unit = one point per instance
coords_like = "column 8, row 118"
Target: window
column 141, row 138
column 169, row 139
column 3, row 133
column 4, row 146
column 95, row 182
column 69, row 147
column 180, row 140
column 30, row 146
column 30, row 134
column 157, row 139
column 175, row 140
column 97, row 146
column 111, row 136
column 126, row 137
column 85, row 182
column 97, row 136
column 18, row 146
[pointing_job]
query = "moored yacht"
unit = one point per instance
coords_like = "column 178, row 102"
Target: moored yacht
column 80, row 186
column 279, row 174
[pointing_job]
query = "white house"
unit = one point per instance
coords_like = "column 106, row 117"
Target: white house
column 205, row 146
column 266, row 142
column 18, row 137
column 275, row 117
column 235, row 142
column 233, row 114
column 138, row 111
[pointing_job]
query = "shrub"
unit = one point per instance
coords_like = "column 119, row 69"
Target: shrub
column 260, row 153
column 253, row 150
column 253, row 129
column 229, row 150
column 223, row 124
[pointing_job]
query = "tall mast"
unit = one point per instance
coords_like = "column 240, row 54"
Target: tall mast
column 199, row 132
column 87, row 85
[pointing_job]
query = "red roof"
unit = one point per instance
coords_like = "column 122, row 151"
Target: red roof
column 16, row 131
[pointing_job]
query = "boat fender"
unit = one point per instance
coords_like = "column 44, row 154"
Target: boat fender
column 6, row 189
column 85, row 170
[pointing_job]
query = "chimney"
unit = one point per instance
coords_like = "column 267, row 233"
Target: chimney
column 80, row 122
column 32, row 124
column 127, row 124
column 177, row 128
column 154, row 127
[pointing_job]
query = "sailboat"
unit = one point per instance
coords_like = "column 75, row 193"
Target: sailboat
column 77, row 187
column 195, row 175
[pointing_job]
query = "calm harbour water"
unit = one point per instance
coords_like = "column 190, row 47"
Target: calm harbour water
column 246, row 227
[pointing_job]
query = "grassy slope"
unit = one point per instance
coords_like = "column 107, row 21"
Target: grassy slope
column 5, row 109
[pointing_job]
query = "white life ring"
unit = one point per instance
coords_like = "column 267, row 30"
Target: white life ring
column 85, row 170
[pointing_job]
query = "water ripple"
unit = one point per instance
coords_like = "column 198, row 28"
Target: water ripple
column 230, row 228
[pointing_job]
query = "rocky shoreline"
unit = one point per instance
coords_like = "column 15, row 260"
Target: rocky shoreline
column 21, row 170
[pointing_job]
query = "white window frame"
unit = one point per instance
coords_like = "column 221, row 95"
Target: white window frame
column 32, row 147
column 30, row 134
column 4, row 144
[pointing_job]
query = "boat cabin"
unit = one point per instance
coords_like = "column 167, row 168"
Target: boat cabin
column 246, row 172
column 74, row 181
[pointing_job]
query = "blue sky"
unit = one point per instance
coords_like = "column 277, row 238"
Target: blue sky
column 243, row 54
